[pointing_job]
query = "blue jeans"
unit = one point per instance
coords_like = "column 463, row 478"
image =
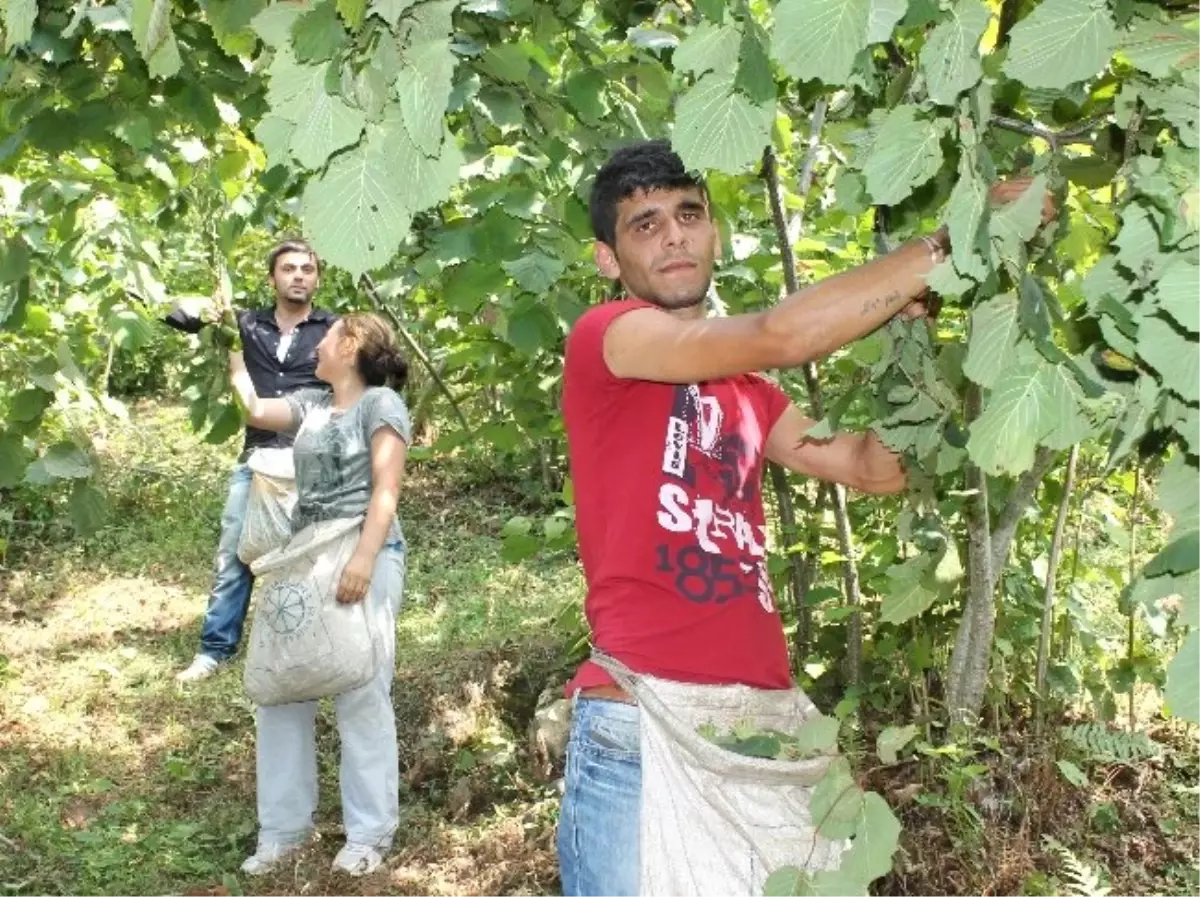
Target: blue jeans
column 598, row 829
column 232, row 580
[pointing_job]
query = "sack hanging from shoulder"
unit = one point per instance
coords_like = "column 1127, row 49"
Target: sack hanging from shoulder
column 268, row 523
column 713, row 821
column 304, row 645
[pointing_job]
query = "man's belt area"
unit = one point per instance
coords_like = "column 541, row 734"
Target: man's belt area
column 612, row 692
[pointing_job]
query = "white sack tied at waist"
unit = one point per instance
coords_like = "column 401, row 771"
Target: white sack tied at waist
column 304, row 645
column 714, row 821
column 268, row 521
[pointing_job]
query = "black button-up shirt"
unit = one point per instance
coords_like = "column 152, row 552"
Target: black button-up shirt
column 260, row 347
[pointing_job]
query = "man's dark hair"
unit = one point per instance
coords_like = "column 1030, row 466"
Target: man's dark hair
column 294, row 245
column 648, row 165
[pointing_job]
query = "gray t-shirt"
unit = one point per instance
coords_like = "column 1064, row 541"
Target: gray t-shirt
column 333, row 451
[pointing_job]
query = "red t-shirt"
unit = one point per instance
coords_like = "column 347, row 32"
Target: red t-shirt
column 669, row 512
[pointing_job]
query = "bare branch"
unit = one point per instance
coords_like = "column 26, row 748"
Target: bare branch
column 1077, row 134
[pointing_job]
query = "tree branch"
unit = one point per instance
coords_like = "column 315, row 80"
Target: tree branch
column 1076, row 134
column 1018, row 500
column 369, row 285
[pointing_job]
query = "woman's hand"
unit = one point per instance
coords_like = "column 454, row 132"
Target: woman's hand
column 356, row 578
column 237, row 362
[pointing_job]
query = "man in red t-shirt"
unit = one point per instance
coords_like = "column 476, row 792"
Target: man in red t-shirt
column 669, row 426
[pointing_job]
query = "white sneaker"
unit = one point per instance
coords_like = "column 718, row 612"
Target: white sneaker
column 357, row 859
column 202, row 667
column 267, row 857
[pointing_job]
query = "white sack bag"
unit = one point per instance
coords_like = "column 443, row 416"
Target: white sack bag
column 304, row 645
column 714, row 821
column 268, row 523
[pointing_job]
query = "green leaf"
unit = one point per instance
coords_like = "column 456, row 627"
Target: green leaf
column 66, row 461
column 1158, row 48
column 1176, row 294
column 129, row 329
column 1015, row 224
column 87, row 507
column 817, row 735
column 709, row 48
column 586, row 91
column 876, row 841
column 423, row 182
column 890, row 742
column 531, row 328
column 1061, row 42
column 274, row 24
column 227, row 422
column 353, row 11
column 1182, row 555
column 788, row 881
column 274, row 135
column 1072, row 773
column 906, row 153
column 354, row 211
column 1182, row 693
column 1138, row 244
column 1018, row 413
column 1104, row 280
column 1172, row 354
column 318, row 33
column 151, row 26
column 28, row 404
column 14, row 458
column 965, row 215
column 14, row 260
column 840, row 882
column 1071, row 426
column 994, row 333
column 819, row 39
column 391, row 10
column 535, row 272
column 506, row 62
column 836, row 800
column 717, row 127
column 1179, row 104
column 950, row 57
column 19, row 16
column 328, row 125
column 822, row 429
column 424, row 86
column 907, row 594
column 754, row 76
column 883, row 18
column 1177, row 493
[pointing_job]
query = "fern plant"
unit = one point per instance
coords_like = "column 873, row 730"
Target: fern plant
column 1081, row 879
column 1100, row 744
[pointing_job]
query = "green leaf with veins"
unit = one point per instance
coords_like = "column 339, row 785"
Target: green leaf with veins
column 1061, row 42
column 950, row 57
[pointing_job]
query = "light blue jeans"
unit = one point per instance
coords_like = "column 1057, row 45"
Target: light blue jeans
column 232, row 580
column 286, row 750
column 599, row 826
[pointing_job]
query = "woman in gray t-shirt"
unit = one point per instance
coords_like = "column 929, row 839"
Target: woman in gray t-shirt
column 350, row 447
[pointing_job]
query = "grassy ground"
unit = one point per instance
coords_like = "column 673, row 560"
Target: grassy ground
column 113, row 780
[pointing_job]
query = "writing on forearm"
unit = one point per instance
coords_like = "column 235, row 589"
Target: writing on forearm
column 891, row 300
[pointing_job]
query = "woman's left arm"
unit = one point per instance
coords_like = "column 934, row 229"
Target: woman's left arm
column 388, row 451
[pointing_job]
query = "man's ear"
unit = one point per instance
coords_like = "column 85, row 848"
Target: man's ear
column 606, row 261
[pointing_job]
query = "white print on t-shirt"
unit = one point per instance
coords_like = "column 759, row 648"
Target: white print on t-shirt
column 695, row 445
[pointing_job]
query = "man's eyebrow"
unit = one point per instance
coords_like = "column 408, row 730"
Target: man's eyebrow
column 643, row 215
column 693, row 205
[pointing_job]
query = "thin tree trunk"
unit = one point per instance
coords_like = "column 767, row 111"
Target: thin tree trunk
column 1133, row 510
column 812, row 382
column 1060, row 526
column 1010, row 515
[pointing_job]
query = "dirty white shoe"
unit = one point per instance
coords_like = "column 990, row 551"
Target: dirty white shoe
column 202, row 667
column 357, row 859
column 267, row 857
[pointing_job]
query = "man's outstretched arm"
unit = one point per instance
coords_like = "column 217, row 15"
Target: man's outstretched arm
column 649, row 344
column 857, row 460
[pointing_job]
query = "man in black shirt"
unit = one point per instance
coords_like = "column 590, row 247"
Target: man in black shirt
column 279, row 347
